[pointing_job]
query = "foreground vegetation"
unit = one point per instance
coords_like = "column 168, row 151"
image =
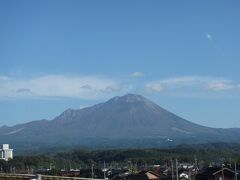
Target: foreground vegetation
column 84, row 159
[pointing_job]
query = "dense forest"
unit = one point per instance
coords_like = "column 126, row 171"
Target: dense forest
column 84, row 159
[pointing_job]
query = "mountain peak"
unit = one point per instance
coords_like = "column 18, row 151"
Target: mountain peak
column 123, row 120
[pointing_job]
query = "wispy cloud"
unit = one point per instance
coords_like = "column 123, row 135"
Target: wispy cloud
column 191, row 85
column 98, row 87
column 221, row 86
column 137, row 74
column 208, row 36
column 154, row 87
column 214, row 44
column 23, row 90
column 171, row 83
column 86, row 87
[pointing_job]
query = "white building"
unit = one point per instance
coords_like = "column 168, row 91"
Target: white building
column 6, row 153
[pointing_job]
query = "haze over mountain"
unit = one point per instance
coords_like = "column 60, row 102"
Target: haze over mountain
column 126, row 121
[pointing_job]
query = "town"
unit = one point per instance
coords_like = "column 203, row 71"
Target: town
column 171, row 169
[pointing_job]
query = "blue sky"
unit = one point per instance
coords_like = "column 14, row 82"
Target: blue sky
column 59, row 54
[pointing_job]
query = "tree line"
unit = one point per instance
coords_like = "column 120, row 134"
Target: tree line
column 85, row 159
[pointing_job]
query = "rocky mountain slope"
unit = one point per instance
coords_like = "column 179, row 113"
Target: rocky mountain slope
column 127, row 121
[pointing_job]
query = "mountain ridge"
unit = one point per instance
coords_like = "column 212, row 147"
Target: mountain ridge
column 121, row 121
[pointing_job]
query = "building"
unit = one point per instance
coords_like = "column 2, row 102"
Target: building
column 6, row 153
column 184, row 175
column 143, row 175
column 216, row 173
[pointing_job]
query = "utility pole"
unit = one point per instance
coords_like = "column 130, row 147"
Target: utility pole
column 130, row 164
column 172, row 169
column 104, row 170
column 222, row 171
column 189, row 174
column 92, row 172
column 177, row 169
column 39, row 177
column 235, row 170
column 196, row 162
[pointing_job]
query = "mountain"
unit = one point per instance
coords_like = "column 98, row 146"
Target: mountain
column 126, row 121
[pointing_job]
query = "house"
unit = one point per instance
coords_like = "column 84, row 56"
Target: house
column 183, row 178
column 71, row 173
column 215, row 173
column 184, row 175
column 142, row 175
column 149, row 175
column 120, row 174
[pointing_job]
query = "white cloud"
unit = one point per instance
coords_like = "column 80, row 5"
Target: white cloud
column 2, row 78
column 114, row 87
column 221, row 86
column 154, row 87
column 191, row 85
column 171, row 83
column 184, row 80
column 137, row 74
column 85, row 87
column 96, row 87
